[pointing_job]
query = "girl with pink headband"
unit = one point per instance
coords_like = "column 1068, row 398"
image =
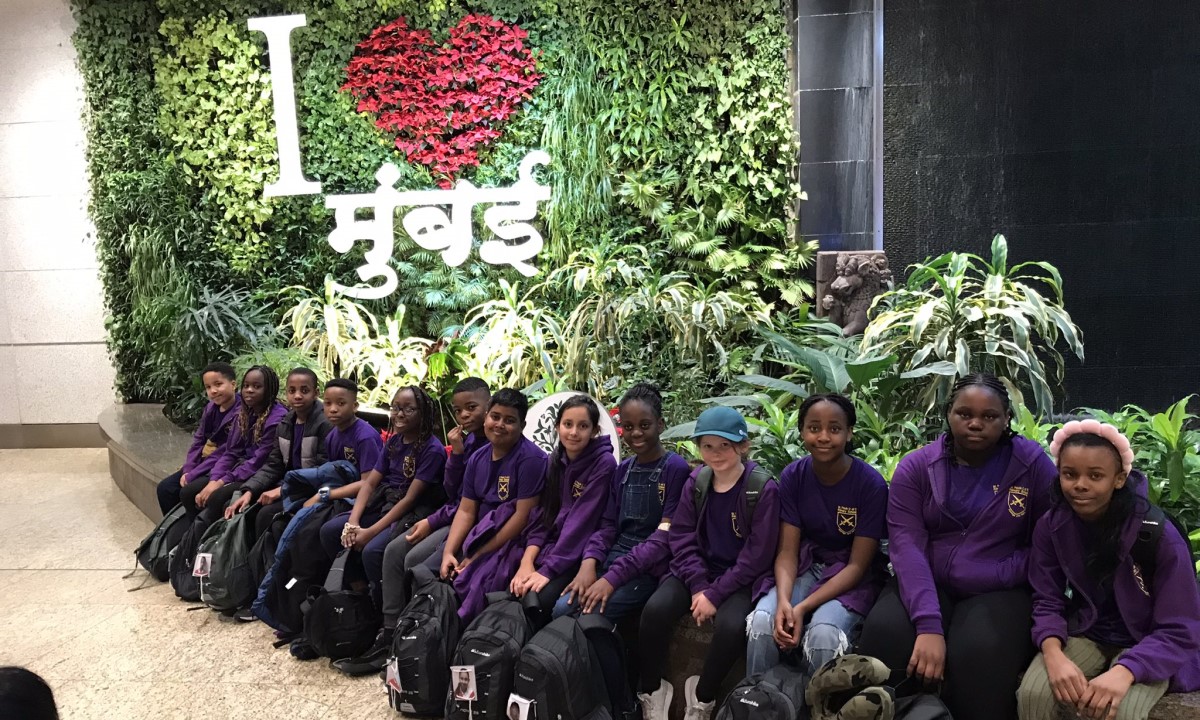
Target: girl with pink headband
column 1116, row 609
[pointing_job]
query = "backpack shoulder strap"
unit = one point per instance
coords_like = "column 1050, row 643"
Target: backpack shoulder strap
column 759, row 477
column 1145, row 548
column 704, row 480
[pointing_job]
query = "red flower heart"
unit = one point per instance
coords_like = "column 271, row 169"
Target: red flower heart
column 443, row 102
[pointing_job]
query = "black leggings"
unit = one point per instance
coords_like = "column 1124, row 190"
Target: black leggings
column 548, row 596
column 672, row 601
column 215, row 507
column 988, row 646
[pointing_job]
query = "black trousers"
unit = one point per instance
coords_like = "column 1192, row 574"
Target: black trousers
column 215, row 507
column 988, row 646
column 171, row 494
column 548, row 596
column 266, row 514
column 672, row 601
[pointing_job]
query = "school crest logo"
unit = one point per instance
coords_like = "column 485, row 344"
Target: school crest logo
column 502, row 485
column 1018, row 498
column 662, row 493
column 348, row 454
column 847, row 520
column 733, row 520
column 410, row 466
column 577, row 489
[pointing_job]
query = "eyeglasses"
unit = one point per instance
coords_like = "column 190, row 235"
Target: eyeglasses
column 404, row 410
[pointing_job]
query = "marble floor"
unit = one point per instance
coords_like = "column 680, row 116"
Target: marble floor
column 66, row 538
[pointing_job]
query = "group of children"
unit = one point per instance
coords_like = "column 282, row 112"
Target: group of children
column 994, row 551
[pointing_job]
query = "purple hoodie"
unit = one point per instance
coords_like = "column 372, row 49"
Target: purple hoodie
column 452, row 479
column 930, row 549
column 583, row 488
column 243, row 455
column 1165, row 621
column 214, row 427
column 691, row 549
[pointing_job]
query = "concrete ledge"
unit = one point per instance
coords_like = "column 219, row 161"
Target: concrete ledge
column 143, row 448
column 1179, row 706
column 74, row 435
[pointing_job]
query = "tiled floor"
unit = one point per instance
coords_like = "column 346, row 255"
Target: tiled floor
column 66, row 538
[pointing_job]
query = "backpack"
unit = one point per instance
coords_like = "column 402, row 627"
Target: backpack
column 339, row 623
column 609, row 653
column 777, row 694
column 302, row 565
column 921, row 707
column 154, row 552
column 1145, row 549
column 262, row 554
column 491, row 643
column 759, row 477
column 425, row 637
column 186, row 585
column 558, row 672
column 230, row 584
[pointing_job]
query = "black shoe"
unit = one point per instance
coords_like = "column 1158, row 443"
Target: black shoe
column 302, row 650
column 372, row 661
column 245, row 615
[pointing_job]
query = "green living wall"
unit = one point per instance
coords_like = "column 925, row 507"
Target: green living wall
column 669, row 235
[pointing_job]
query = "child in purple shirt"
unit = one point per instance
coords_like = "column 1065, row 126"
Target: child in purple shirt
column 718, row 556
column 832, row 516
column 576, row 493
column 501, row 486
column 630, row 545
column 1112, row 633
column 353, row 448
column 250, row 442
column 208, row 442
column 960, row 523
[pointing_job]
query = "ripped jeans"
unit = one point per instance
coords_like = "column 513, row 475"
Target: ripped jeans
column 828, row 632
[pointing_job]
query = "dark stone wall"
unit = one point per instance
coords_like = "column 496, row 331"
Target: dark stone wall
column 1073, row 128
column 834, row 115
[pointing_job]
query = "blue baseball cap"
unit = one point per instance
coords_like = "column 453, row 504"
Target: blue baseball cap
column 724, row 422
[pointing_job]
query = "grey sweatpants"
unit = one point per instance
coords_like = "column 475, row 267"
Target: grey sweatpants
column 1035, row 699
column 398, row 559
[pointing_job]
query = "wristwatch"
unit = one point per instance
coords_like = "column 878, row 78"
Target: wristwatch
column 323, row 493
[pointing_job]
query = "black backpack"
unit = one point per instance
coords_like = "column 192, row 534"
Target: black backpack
column 154, row 552
column 759, row 477
column 558, row 672
column 921, row 707
column 303, row 565
column 1145, row 549
column 777, row 694
column 492, row 643
column 608, row 651
column 340, row 623
column 262, row 554
column 424, row 641
column 230, row 583
column 186, row 585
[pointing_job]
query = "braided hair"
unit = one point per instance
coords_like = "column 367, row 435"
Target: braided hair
column 836, row 399
column 1102, row 556
column 551, row 500
column 991, row 382
column 647, row 393
column 426, row 409
column 270, row 396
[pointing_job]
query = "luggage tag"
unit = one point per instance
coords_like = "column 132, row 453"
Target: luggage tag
column 202, row 566
column 393, row 675
column 520, row 708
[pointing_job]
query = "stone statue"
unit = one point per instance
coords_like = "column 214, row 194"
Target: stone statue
column 859, row 279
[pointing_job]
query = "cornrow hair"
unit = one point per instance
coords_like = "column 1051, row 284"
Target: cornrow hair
column 840, row 400
column 647, row 393
column 991, row 382
column 306, row 371
column 344, row 384
column 551, row 501
column 472, row 384
column 220, row 367
column 426, row 408
column 270, row 395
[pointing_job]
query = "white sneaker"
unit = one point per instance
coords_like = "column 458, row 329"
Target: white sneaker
column 695, row 710
column 657, row 705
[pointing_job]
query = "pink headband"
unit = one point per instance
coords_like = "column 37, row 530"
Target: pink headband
column 1094, row 427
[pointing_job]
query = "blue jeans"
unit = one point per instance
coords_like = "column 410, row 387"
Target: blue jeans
column 625, row 600
column 827, row 633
